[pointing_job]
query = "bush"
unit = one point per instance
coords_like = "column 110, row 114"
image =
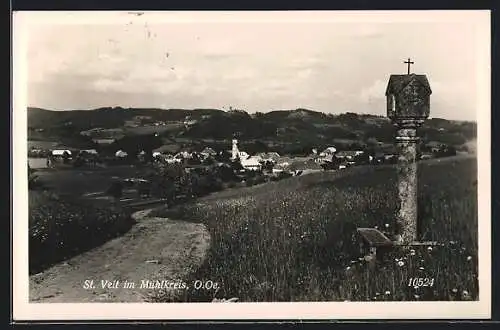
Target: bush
column 62, row 228
column 115, row 190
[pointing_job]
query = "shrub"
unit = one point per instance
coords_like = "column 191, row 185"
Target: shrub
column 61, row 228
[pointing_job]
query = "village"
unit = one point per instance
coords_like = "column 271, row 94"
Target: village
column 242, row 166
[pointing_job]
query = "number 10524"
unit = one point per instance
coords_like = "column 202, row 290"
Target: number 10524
column 420, row 281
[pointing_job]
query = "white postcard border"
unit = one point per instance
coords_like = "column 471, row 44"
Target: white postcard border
column 23, row 310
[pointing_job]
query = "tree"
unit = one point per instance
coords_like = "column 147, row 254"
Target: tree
column 116, row 190
column 362, row 159
column 32, row 178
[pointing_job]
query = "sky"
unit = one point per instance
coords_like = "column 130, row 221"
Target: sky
column 328, row 62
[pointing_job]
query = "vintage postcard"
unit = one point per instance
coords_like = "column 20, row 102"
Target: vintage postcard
column 251, row 165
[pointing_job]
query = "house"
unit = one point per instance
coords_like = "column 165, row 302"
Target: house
column 434, row 146
column 121, row 154
column 190, row 122
column 90, row 152
column 251, row 163
column 390, row 157
column 408, row 96
column 324, row 159
column 208, row 152
column 103, row 141
column 349, row 155
column 269, row 156
column 183, row 155
column 60, row 152
column 169, row 159
column 167, row 148
column 328, row 151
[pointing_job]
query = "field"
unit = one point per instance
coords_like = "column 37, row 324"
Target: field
column 62, row 228
column 151, row 129
column 294, row 240
column 37, row 163
column 77, row 182
column 42, row 144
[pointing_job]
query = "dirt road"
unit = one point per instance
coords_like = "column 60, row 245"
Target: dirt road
column 154, row 249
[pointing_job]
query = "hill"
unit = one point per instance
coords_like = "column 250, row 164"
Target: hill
column 292, row 130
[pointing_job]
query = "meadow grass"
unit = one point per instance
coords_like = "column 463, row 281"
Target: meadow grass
column 60, row 228
column 294, row 240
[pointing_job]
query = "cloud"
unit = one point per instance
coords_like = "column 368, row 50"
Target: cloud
column 375, row 92
column 327, row 67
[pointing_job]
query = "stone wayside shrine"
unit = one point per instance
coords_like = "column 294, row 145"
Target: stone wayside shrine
column 408, row 106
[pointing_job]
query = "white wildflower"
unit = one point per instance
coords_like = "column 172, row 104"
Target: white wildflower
column 412, row 252
column 386, row 225
column 429, row 248
column 416, row 296
column 388, row 292
column 454, row 290
column 401, row 264
column 469, row 258
column 421, row 268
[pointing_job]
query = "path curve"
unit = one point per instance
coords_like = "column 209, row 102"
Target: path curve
column 153, row 249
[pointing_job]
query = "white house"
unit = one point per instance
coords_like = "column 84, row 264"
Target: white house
column 328, row 151
column 60, row 152
column 208, row 152
column 90, row 151
column 251, row 163
column 270, row 156
column 121, row 154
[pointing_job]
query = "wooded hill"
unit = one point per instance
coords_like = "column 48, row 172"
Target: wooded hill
column 301, row 128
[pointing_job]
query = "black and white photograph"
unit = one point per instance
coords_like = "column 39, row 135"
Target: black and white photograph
column 317, row 159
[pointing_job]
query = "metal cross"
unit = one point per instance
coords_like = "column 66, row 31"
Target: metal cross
column 409, row 63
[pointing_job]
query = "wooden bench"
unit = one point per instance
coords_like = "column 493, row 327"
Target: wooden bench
column 374, row 239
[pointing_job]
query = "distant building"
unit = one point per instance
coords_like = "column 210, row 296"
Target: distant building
column 208, row 152
column 60, row 152
column 167, row 148
column 121, row 154
column 328, row 151
column 269, row 156
column 434, row 146
column 251, row 163
column 425, row 156
column 103, row 141
column 349, row 155
column 90, row 152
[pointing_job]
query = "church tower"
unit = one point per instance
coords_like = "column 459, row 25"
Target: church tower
column 235, row 151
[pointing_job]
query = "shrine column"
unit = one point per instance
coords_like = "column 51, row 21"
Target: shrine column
column 408, row 104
